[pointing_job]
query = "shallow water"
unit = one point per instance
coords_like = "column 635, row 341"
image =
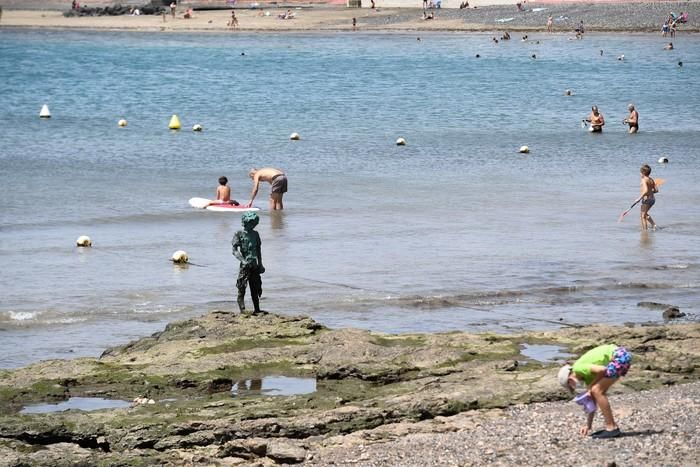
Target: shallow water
column 456, row 230
column 274, row 386
column 86, row 404
column 545, row 353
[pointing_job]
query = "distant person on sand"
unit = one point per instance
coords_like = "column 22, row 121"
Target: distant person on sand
column 599, row 368
column 276, row 178
column 233, row 23
column 173, row 9
column 223, row 193
column 550, row 22
column 354, row 24
column 632, row 119
column 373, row 6
column 596, row 120
column 647, row 190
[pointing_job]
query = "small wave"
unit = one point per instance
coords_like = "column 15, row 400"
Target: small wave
column 18, row 315
column 30, row 318
column 672, row 266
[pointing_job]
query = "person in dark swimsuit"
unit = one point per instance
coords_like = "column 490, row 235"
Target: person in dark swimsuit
column 632, row 119
column 646, row 196
column 596, row 120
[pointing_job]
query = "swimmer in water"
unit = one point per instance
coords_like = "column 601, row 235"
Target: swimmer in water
column 596, row 120
column 632, row 119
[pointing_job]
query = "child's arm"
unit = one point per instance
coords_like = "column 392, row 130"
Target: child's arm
column 589, row 424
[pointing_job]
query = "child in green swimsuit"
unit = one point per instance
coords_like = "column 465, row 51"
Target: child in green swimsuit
column 599, row 368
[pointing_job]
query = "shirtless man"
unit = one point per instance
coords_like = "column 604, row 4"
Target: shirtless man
column 596, row 120
column 646, row 196
column 276, row 178
column 632, row 119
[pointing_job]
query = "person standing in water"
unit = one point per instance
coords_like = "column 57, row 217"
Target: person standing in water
column 276, row 178
column 647, row 190
column 632, row 119
column 596, row 120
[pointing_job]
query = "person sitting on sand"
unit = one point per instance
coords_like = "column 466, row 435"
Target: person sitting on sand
column 287, row 15
column 596, row 120
column 188, row 14
column 632, row 119
column 669, row 46
column 464, row 5
column 599, row 368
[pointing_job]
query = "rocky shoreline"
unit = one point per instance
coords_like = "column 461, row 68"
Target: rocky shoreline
column 368, row 388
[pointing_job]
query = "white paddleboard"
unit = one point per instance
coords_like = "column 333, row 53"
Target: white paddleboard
column 203, row 203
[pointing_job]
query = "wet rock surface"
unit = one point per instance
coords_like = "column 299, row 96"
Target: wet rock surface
column 370, row 388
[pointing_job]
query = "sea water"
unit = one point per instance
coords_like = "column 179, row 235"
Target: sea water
column 454, row 231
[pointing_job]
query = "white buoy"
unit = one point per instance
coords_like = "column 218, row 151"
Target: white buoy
column 122, row 123
column 568, row 92
column 180, row 257
column 295, row 137
column 45, row 112
column 174, row 123
column 663, row 160
column 83, row 241
column 524, row 149
column 197, row 127
column 401, row 142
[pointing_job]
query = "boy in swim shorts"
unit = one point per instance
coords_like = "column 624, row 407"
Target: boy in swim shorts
column 647, row 189
column 599, row 368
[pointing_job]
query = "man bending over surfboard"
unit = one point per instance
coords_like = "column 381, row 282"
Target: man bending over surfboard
column 276, row 178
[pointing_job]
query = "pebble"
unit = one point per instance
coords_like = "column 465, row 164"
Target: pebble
column 547, row 434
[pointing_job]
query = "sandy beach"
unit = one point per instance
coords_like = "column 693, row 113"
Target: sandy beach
column 602, row 17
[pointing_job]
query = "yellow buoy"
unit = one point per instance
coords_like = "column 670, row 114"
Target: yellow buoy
column 295, row 137
column 83, row 241
column 180, row 257
column 401, row 142
column 174, row 123
column 44, row 113
column 122, row 123
column 524, row 149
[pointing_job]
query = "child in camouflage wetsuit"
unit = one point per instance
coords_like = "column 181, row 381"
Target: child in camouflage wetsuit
column 246, row 248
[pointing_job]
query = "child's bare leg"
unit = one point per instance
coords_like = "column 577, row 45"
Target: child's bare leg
column 650, row 220
column 598, row 392
column 643, row 216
